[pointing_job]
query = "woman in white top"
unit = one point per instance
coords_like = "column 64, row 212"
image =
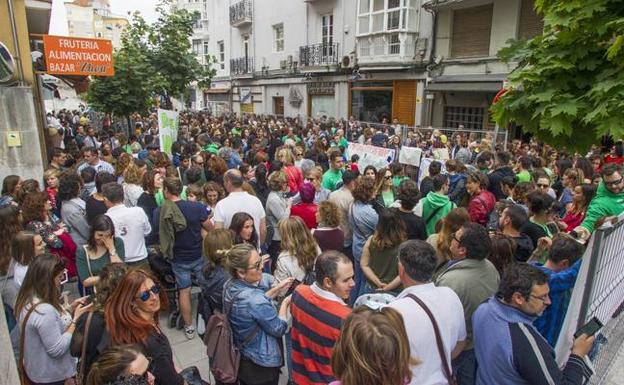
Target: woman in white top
column 25, row 247
column 299, row 250
column 133, row 176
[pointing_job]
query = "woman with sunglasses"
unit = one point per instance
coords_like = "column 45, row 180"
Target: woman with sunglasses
column 46, row 325
column 132, row 314
column 120, row 362
column 257, row 326
column 384, row 188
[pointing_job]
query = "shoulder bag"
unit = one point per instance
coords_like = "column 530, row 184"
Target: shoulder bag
column 81, row 375
column 24, row 380
column 448, row 373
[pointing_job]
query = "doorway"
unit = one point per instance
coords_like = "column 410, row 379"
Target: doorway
column 278, row 105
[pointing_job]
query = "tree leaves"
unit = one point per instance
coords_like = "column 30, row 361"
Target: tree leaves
column 569, row 82
column 153, row 60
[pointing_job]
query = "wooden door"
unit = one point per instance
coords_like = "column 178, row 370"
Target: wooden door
column 404, row 101
column 278, row 105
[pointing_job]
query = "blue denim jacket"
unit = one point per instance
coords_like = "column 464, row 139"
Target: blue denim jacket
column 251, row 310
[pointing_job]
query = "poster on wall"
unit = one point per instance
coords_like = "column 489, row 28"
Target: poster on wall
column 410, row 155
column 245, row 95
column 378, row 157
column 167, row 129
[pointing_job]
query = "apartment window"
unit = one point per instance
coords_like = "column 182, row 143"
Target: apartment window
column 221, row 47
column 206, row 48
column 394, row 44
column 531, row 24
column 197, row 46
column 469, row 117
column 327, row 34
column 376, row 16
column 471, row 32
column 278, row 37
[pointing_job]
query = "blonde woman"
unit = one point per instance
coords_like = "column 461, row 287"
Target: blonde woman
column 133, row 177
column 216, row 245
column 299, row 250
column 295, row 179
column 373, row 349
column 328, row 234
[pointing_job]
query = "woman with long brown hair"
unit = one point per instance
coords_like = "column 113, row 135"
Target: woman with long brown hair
column 131, row 315
column 299, row 250
column 441, row 241
column 46, row 326
column 378, row 261
column 121, row 362
column 10, row 225
column 384, row 188
column 373, row 349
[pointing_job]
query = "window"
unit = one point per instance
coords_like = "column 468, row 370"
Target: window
column 206, row 54
column 469, row 117
column 221, row 47
column 471, row 32
column 394, row 44
column 531, row 24
column 378, row 16
column 206, row 49
column 328, row 35
column 278, row 37
column 197, row 45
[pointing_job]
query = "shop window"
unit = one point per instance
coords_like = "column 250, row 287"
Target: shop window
column 470, row 117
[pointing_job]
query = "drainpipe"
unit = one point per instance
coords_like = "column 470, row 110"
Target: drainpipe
column 17, row 55
column 431, row 64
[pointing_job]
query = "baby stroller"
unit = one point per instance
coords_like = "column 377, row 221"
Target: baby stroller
column 163, row 271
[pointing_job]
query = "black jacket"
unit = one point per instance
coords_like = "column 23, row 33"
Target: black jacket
column 495, row 179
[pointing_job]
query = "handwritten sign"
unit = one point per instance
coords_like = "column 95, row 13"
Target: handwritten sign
column 378, row 157
column 167, row 129
column 410, row 155
column 78, row 56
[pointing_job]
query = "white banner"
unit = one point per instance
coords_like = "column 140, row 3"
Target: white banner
column 378, row 157
column 410, row 155
column 167, row 129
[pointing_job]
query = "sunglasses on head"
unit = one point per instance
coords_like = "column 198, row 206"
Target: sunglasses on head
column 145, row 295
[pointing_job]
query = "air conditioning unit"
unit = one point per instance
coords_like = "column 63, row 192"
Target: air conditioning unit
column 283, row 64
column 348, row 61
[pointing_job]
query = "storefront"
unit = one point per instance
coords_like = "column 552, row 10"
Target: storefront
column 374, row 101
column 321, row 99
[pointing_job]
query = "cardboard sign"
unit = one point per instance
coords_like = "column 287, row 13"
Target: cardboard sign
column 378, row 157
column 410, row 155
column 78, row 56
column 167, row 129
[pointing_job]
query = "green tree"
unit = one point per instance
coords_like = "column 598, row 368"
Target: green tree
column 153, row 60
column 568, row 88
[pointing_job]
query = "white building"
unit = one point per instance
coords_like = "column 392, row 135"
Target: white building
column 469, row 33
column 365, row 58
column 93, row 19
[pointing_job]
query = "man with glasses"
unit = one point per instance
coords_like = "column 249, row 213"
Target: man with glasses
column 509, row 349
column 474, row 279
column 609, row 199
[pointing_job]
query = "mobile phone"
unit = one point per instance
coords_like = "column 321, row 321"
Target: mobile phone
column 293, row 286
column 589, row 328
column 552, row 226
column 88, row 300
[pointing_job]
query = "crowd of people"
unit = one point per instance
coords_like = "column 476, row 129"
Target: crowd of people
column 327, row 271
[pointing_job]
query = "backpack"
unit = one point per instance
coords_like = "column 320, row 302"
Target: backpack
column 223, row 354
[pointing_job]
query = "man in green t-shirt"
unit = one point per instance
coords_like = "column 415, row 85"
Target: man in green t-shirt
column 333, row 176
column 524, row 167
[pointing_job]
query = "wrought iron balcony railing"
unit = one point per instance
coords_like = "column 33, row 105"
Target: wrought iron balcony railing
column 241, row 13
column 241, row 66
column 316, row 55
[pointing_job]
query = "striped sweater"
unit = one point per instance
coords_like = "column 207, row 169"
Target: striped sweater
column 315, row 328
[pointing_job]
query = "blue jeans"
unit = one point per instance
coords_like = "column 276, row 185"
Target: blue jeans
column 465, row 367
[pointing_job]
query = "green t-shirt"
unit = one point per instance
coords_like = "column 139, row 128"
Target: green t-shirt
column 160, row 196
column 331, row 178
column 388, row 198
column 396, row 180
column 523, row 176
column 96, row 264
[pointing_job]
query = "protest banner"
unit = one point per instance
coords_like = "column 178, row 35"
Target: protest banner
column 441, row 154
column 167, row 129
column 410, row 155
column 378, row 157
column 66, row 55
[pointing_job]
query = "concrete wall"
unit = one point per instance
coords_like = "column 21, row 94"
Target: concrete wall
column 18, row 113
column 505, row 17
column 8, row 366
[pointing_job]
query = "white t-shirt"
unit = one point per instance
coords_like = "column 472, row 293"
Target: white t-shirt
column 131, row 225
column 19, row 273
column 238, row 202
column 449, row 314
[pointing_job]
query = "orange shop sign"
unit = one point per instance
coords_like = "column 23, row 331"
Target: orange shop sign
column 78, row 56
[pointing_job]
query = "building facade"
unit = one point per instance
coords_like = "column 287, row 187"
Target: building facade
column 466, row 74
column 94, row 19
column 365, row 58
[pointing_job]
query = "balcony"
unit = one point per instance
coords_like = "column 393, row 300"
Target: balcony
column 318, row 55
column 241, row 67
column 391, row 48
column 241, row 14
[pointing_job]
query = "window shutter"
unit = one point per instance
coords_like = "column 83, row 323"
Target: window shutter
column 404, row 101
column 471, row 32
column 531, row 24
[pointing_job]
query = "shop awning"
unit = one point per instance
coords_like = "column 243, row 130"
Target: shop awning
column 467, row 83
column 217, row 90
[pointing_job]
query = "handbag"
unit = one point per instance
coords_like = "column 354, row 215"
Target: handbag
column 24, row 380
column 452, row 380
column 81, row 375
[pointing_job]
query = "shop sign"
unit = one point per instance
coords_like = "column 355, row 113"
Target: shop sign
column 78, row 56
column 321, row 88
